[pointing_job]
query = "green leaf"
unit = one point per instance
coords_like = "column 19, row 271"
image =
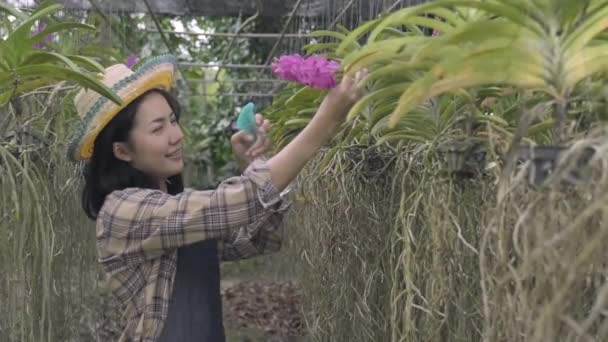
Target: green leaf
column 587, row 30
column 377, row 52
column 4, row 62
column 449, row 16
column 356, row 130
column 595, row 66
column 376, row 96
column 308, row 112
column 8, row 9
column 480, row 35
column 487, row 68
column 396, row 71
column 350, row 42
column 342, row 29
column 53, row 73
column 297, row 122
column 303, row 95
column 541, row 127
column 568, row 11
column 518, row 15
column 5, row 96
column 313, row 48
column 41, row 57
column 86, row 62
column 22, row 31
column 326, row 33
column 585, row 63
column 391, row 32
column 58, row 28
column 431, row 23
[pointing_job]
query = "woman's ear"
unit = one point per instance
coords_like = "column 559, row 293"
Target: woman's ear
column 122, row 151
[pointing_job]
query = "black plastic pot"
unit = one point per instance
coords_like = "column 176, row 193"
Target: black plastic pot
column 545, row 158
column 463, row 158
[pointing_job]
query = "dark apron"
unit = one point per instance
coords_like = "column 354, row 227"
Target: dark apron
column 195, row 309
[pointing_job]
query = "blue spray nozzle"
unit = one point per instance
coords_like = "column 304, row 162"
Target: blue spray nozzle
column 246, row 119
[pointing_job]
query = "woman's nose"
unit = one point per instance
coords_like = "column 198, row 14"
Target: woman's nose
column 176, row 135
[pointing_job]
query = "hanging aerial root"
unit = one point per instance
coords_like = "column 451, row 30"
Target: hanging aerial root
column 388, row 247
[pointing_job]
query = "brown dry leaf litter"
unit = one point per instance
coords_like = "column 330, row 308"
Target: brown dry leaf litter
column 273, row 307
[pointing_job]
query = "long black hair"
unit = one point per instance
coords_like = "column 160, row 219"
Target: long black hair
column 105, row 173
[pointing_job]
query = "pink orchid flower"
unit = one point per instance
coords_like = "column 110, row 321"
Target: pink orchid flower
column 314, row 71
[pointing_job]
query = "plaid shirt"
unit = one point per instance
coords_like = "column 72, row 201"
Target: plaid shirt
column 139, row 231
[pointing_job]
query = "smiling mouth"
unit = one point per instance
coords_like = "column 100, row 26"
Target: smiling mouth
column 175, row 155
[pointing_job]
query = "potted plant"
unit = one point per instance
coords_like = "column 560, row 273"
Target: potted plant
column 544, row 48
column 544, row 160
column 28, row 62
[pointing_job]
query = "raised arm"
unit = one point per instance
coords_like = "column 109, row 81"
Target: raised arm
column 286, row 164
column 135, row 225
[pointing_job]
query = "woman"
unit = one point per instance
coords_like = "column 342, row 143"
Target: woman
column 160, row 244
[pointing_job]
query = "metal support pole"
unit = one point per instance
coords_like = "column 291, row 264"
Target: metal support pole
column 241, row 95
column 283, row 32
column 340, row 15
column 236, row 81
column 236, row 35
column 223, row 66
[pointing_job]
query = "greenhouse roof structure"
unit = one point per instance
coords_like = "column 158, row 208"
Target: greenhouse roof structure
column 295, row 20
column 224, row 8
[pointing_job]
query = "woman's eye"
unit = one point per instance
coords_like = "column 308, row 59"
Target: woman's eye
column 157, row 129
column 173, row 121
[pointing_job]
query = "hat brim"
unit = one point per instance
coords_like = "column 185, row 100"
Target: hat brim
column 154, row 73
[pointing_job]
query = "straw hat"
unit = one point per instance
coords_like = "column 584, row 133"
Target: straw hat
column 97, row 111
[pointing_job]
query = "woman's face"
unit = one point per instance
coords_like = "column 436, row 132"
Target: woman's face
column 155, row 144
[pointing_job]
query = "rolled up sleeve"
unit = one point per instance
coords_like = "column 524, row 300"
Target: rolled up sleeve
column 264, row 236
column 135, row 225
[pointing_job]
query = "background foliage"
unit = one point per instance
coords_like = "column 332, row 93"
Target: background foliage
column 422, row 220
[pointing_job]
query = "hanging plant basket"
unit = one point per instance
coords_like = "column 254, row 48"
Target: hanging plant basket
column 463, row 158
column 544, row 160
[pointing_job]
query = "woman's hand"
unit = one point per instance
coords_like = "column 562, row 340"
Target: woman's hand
column 340, row 99
column 245, row 150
